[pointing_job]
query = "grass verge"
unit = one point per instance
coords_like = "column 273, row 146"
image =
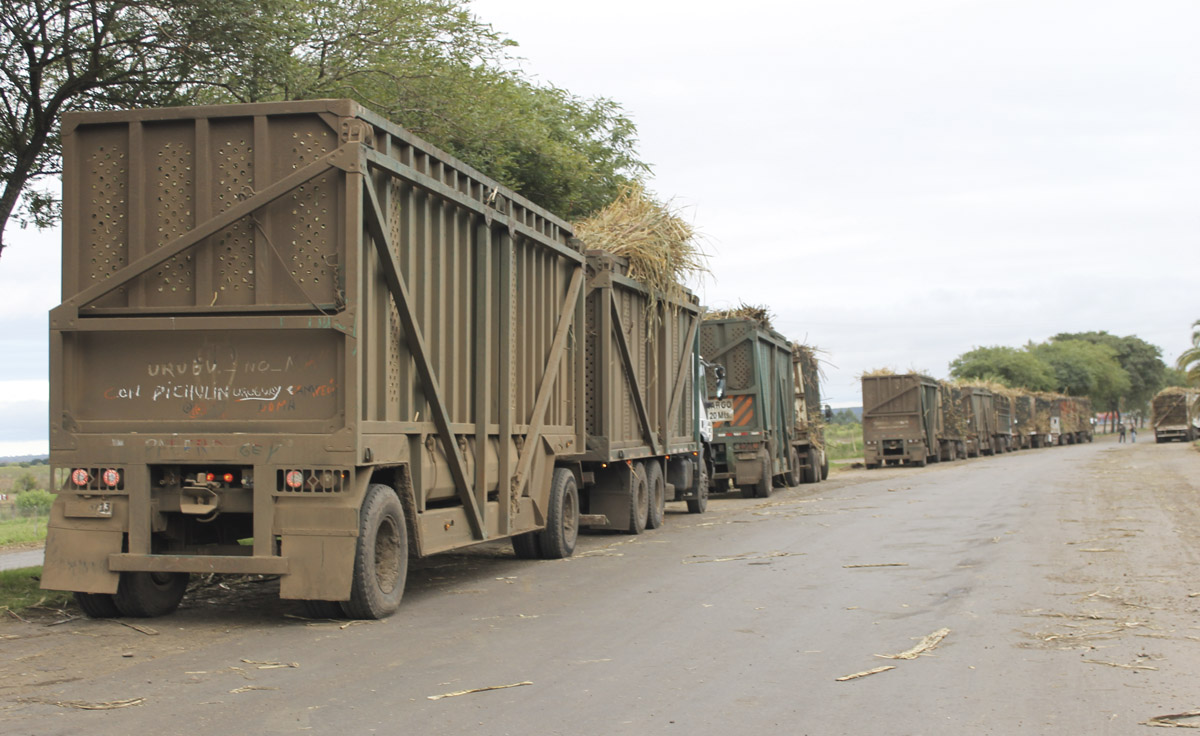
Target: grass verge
column 23, row 531
column 19, row 590
column 843, row 441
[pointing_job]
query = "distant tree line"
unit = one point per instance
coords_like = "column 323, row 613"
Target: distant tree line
column 430, row 65
column 1118, row 374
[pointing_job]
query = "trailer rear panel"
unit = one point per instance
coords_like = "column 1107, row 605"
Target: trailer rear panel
column 311, row 300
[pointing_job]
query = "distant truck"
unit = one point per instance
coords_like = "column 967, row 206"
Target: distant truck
column 760, row 437
column 296, row 340
column 810, row 420
column 1070, row 418
column 1024, row 427
column 1002, row 437
column 1174, row 415
column 980, row 417
column 903, row 420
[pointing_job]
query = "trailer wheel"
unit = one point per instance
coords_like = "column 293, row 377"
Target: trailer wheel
column 322, row 609
column 381, row 557
column 658, row 495
column 557, row 540
column 639, row 500
column 811, row 473
column 150, row 594
column 824, row 465
column 764, row 486
column 795, row 475
column 97, row 605
column 526, row 546
column 699, row 504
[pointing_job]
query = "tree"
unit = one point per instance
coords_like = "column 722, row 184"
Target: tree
column 1085, row 369
column 68, row 55
column 1189, row 360
column 25, row 482
column 35, row 503
column 428, row 64
column 1141, row 361
column 1010, row 366
column 432, row 67
column 844, row 417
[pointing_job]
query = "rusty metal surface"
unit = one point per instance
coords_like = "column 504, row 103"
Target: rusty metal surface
column 305, row 287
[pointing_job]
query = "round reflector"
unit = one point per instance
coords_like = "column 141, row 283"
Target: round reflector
column 80, row 477
column 209, row 477
column 294, row 479
column 111, row 477
column 228, row 477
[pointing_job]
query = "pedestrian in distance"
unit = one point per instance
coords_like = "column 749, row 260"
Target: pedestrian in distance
column 1121, row 432
column 1133, row 433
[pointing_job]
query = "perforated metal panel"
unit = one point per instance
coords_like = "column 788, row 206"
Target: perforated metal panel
column 234, row 246
column 105, row 225
column 172, row 170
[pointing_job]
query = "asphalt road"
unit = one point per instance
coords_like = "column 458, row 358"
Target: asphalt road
column 17, row 559
column 1062, row 575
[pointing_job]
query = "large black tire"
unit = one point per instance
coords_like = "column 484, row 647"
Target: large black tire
column 322, row 609
column 380, row 557
column 824, row 466
column 795, row 474
column 920, row 463
column 811, row 473
column 764, row 486
column 150, row 594
column 557, row 540
column 639, row 500
column 527, row 546
column 657, row 486
column 699, row 504
column 97, row 605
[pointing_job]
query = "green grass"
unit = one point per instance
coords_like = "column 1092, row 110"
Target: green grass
column 22, row 531
column 843, row 441
column 11, row 472
column 19, row 590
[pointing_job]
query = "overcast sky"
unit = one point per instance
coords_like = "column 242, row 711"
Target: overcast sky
column 898, row 180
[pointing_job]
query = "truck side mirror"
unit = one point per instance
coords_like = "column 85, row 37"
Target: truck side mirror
column 719, row 372
column 828, row 413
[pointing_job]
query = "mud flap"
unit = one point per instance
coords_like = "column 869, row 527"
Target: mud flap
column 327, row 564
column 610, row 496
column 77, row 560
column 319, row 544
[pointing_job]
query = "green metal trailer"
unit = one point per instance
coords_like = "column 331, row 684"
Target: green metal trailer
column 756, row 439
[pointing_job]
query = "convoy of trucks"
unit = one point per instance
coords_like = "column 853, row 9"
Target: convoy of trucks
column 296, row 340
column 1175, row 415
column 912, row 419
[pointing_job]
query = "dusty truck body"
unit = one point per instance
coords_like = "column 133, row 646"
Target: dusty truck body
column 1069, row 418
column 902, row 420
column 754, row 422
column 1023, row 412
column 1002, row 430
column 809, row 437
column 980, row 420
column 1173, row 415
column 644, row 404
column 297, row 340
column 954, row 430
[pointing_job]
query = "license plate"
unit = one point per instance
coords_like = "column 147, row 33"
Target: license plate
column 88, row 509
column 721, row 410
